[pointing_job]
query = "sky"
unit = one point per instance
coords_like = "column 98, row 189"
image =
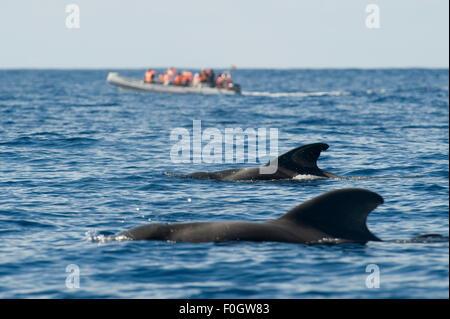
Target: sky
column 248, row 34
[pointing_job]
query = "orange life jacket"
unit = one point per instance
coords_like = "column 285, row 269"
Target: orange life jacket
column 178, row 79
column 148, row 77
column 149, row 74
column 203, row 76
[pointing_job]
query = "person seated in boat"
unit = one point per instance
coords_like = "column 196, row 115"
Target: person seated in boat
column 224, row 80
column 207, row 77
column 186, row 78
column 203, row 77
column 149, row 76
column 179, row 80
column 168, row 77
column 211, row 78
column 196, row 80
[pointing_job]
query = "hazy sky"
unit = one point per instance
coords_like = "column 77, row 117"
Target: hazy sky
column 191, row 33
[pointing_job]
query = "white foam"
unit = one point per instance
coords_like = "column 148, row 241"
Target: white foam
column 307, row 177
column 93, row 236
column 295, row 94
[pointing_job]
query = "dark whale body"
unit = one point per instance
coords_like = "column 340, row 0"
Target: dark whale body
column 299, row 161
column 334, row 217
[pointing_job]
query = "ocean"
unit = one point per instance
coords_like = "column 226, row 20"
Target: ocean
column 81, row 161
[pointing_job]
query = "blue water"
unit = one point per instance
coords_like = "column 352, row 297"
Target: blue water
column 80, row 161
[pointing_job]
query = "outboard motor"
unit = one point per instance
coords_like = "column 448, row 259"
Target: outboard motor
column 235, row 87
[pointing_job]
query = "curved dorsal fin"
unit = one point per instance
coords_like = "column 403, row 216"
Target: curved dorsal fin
column 341, row 213
column 302, row 160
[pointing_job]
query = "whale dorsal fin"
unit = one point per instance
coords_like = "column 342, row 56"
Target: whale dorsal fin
column 302, row 160
column 339, row 214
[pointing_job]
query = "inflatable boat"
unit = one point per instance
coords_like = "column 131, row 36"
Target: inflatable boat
column 139, row 85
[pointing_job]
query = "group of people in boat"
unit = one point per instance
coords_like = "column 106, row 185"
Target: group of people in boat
column 185, row 78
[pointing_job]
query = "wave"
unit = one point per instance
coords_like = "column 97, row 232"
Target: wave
column 423, row 239
column 94, row 237
column 295, row 94
column 43, row 140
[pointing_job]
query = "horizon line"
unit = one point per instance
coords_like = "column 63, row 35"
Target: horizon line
column 222, row 67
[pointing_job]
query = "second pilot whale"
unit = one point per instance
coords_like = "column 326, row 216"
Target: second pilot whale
column 298, row 161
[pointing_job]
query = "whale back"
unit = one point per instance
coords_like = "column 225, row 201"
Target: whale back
column 337, row 216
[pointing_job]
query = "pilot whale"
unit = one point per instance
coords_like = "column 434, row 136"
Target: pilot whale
column 335, row 217
column 299, row 161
